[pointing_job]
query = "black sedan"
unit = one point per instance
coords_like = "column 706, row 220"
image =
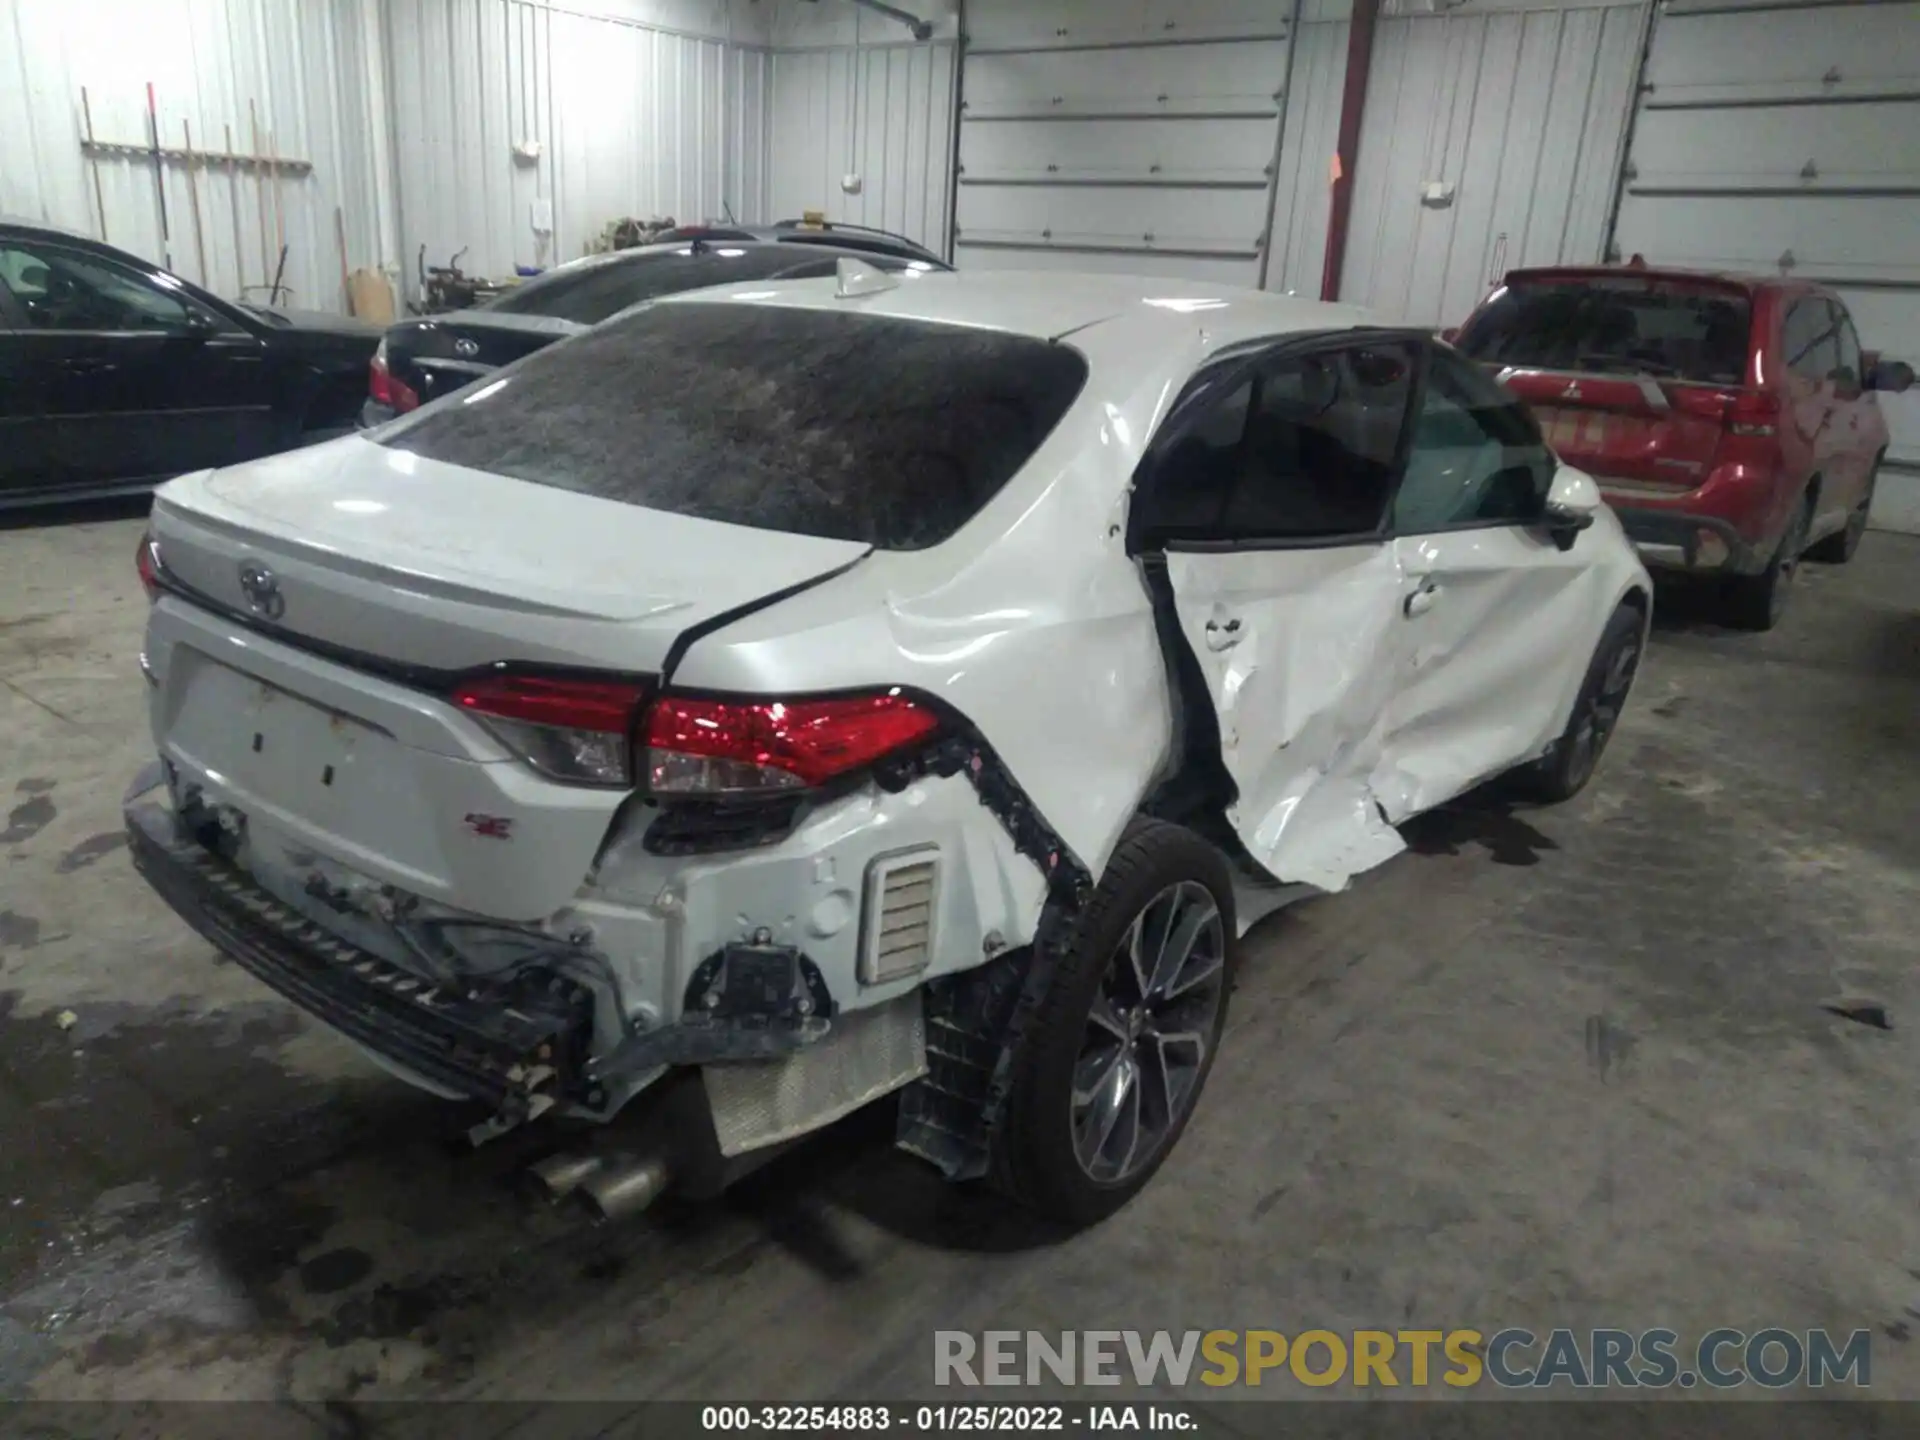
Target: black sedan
column 115, row 375
column 421, row 360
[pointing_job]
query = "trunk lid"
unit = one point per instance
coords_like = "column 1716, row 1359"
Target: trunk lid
column 1632, row 428
column 416, row 563
column 374, row 575
column 439, row 355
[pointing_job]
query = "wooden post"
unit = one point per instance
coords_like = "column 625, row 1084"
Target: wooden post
column 193, row 191
column 159, row 175
column 340, row 243
column 279, row 216
column 99, row 198
column 239, row 250
column 260, row 192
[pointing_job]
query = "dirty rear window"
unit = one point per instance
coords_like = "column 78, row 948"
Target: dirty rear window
column 1659, row 327
column 827, row 423
column 591, row 293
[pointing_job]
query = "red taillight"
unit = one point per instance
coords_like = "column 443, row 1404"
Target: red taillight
column 700, row 746
column 146, row 561
column 1753, row 412
column 384, row 389
column 575, row 730
column 1741, row 412
column 586, row 731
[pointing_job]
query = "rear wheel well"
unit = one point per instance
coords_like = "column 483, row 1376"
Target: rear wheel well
column 1638, row 599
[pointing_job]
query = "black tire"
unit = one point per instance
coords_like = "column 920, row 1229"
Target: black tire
column 1757, row 602
column 1042, row 1141
column 1838, row 547
column 1563, row 772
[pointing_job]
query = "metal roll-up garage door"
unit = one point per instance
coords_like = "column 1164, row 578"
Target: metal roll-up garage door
column 1785, row 138
column 1141, row 141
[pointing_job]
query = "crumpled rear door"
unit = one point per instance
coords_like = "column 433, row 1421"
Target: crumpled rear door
column 1300, row 654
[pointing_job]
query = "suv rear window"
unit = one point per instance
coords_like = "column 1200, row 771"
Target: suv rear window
column 829, row 423
column 1655, row 327
column 591, row 293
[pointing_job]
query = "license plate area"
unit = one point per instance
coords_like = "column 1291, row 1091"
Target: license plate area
column 315, row 774
column 274, row 744
column 1575, row 430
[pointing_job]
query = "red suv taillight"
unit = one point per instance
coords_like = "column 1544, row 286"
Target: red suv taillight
column 146, row 561
column 575, row 730
column 697, row 746
column 1740, row 412
column 384, row 389
column 1753, row 412
column 587, row 732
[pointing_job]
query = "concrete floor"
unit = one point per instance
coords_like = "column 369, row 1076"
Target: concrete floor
column 1565, row 1067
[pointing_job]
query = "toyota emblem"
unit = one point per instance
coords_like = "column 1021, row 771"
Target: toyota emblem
column 262, row 589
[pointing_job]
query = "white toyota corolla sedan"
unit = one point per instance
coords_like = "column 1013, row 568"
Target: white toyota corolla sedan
column 781, row 697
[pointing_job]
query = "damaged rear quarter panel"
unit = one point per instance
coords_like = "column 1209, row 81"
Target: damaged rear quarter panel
column 1031, row 622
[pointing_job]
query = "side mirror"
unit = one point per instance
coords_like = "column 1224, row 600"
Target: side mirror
column 1892, row 376
column 1573, row 500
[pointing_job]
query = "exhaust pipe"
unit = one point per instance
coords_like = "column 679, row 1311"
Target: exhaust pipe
column 558, row 1176
column 624, row 1186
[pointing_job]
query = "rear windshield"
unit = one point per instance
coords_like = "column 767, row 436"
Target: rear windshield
column 590, row 293
column 829, row 423
column 1654, row 327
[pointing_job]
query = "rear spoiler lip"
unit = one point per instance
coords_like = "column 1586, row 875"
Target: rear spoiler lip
column 1704, row 279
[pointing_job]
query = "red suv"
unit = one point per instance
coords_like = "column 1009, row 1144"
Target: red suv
column 1729, row 419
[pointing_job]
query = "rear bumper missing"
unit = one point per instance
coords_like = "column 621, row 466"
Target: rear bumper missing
column 520, row 1059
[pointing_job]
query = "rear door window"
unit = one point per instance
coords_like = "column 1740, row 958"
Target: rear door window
column 1615, row 325
column 1302, row 450
column 1851, row 367
column 1811, row 340
column 817, row 422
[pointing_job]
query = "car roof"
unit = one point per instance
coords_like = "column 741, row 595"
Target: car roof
column 61, row 233
column 819, row 233
column 1049, row 305
column 716, row 241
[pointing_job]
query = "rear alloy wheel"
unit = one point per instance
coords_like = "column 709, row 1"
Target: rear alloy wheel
column 1838, row 547
column 1119, row 1051
column 1756, row 602
column 1564, row 771
column 1149, row 1032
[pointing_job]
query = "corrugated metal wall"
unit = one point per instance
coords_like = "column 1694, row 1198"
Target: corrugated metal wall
column 1132, row 138
column 630, row 119
column 883, row 112
column 1787, row 138
column 1522, row 113
column 301, row 69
